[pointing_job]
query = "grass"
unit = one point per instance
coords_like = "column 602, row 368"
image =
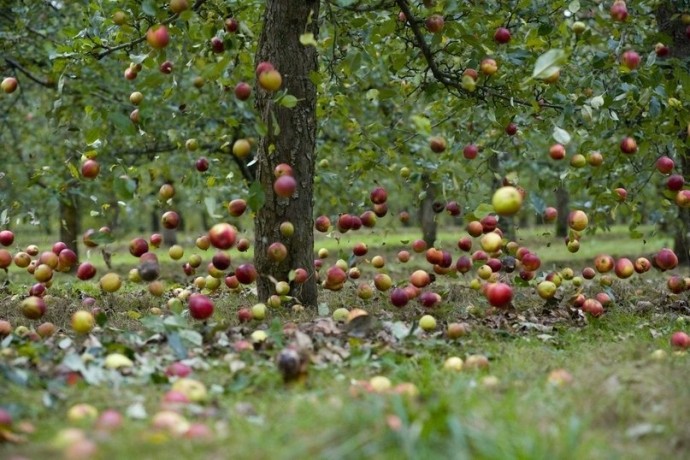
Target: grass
column 621, row 402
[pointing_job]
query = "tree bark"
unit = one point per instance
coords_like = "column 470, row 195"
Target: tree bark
column 562, row 205
column 670, row 24
column 291, row 139
column 427, row 216
column 70, row 222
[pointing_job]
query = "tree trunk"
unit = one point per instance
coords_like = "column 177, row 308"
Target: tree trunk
column 669, row 22
column 427, row 216
column 562, row 205
column 292, row 140
column 70, row 230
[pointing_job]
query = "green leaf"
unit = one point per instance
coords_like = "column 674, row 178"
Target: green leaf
column 483, row 210
column 175, row 342
column 257, row 197
column 288, row 101
column 307, row 39
column 574, row 6
column 124, row 187
column 192, row 337
column 323, row 309
column 211, row 205
column 561, row 135
column 549, row 63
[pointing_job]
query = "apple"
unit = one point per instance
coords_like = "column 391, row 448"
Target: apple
column 546, row 289
column 502, row 35
column 557, row 152
column 664, row 164
column 158, row 36
column 237, row 207
column 680, row 340
column 398, row 297
column 511, row 129
column 166, row 67
column 136, row 97
column 550, row 214
column 437, row 144
column 5, row 329
column 270, row 80
column 470, row 151
column 676, row 284
column 499, row 294
column 282, row 169
column 488, row 66
column 579, row 27
column 382, row 282
column 33, row 307
column 595, row 159
column 675, row 182
column 666, row 259
column 429, row 299
column 285, row 186
column 630, row 59
column 593, row 307
column 506, row 201
column 170, row 220
column 453, row 208
column 90, row 169
column 378, row 195
column 628, row 145
column 491, row 242
column 86, row 271
column 427, row 323
column 138, row 246
column 262, row 67
column 642, row 265
column 683, row 198
column 6, row 237
column 322, row 224
column 476, row 362
column 222, row 235
column 489, row 223
column 82, row 322
column 9, row 85
column 434, row 23
column 232, row 25
column 577, row 220
column 381, row 209
column 201, row 164
column 200, row 306
column 662, row 50
column 277, row 252
column 619, row 11
column 178, row 6
column 604, row 263
column 620, row 193
column 217, row 45
column 110, row 282
column 246, row 273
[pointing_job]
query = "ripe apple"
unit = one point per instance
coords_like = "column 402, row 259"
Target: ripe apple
column 604, row 263
column 577, row 220
column 470, row 151
column 170, row 220
column 200, row 306
column 437, row 144
column 282, row 169
column 628, row 145
column 285, row 186
column 427, row 323
column 675, row 182
column 511, row 129
column 502, row 35
column 270, row 80
column 222, row 235
column 246, row 273
column 277, row 252
column 595, row 159
column 178, row 6
column 237, row 207
column 680, row 340
column 666, row 259
column 453, row 208
column 158, row 36
column 489, row 223
column 86, row 271
column 166, row 67
column 620, row 193
column 232, row 25
column 499, row 294
column 557, row 152
column 241, row 148
column 683, row 198
column 488, row 66
column 110, row 282
column 630, row 59
column 546, row 289
column 6, row 237
column 550, row 214
column 579, row 27
column 506, row 201
column 398, row 297
column 619, row 11
column 9, row 85
column 378, row 195
column 136, row 97
column 138, row 246
column 531, row 262
column 217, row 45
column 642, row 265
column 90, row 169
column 33, row 307
column 262, row 67
column 676, row 284
column 593, row 307
column 664, row 165
column 83, row 322
column 243, row 91
column 662, row 50
column 434, row 23
column 472, row 73
column 322, row 224
column 201, row 164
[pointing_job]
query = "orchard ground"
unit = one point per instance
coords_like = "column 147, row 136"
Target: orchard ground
column 558, row 384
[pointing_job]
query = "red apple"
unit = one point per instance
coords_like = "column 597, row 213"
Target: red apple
column 502, row 35
column 664, row 165
column 628, row 145
column 434, row 23
column 399, row 298
column 166, row 67
column 138, row 246
column 662, row 50
column 217, row 45
column 499, row 294
column 9, row 85
column 262, row 67
column 675, row 182
column 557, row 152
column 200, row 306
column 378, row 195
column 666, row 259
column 604, row 263
column 680, row 340
column 488, row 66
column 90, row 169
column 453, row 208
column 619, row 11
column 170, row 220
column 222, row 235
column 243, row 91
column 282, row 169
column 232, row 25
column 158, row 36
column 630, row 59
column 6, row 237
column 221, row 260
column 285, row 186
column 437, row 144
column 322, row 224
column 201, row 164
column 277, row 252
column 237, row 207
column 624, row 268
column 33, row 307
column 550, row 214
column 246, row 273
column 470, row 151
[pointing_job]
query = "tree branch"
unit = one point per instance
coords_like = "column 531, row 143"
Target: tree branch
column 14, row 64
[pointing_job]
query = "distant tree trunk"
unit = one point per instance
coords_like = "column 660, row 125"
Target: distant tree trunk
column 563, row 207
column 70, row 228
column 427, row 216
column 291, row 141
column 670, row 24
